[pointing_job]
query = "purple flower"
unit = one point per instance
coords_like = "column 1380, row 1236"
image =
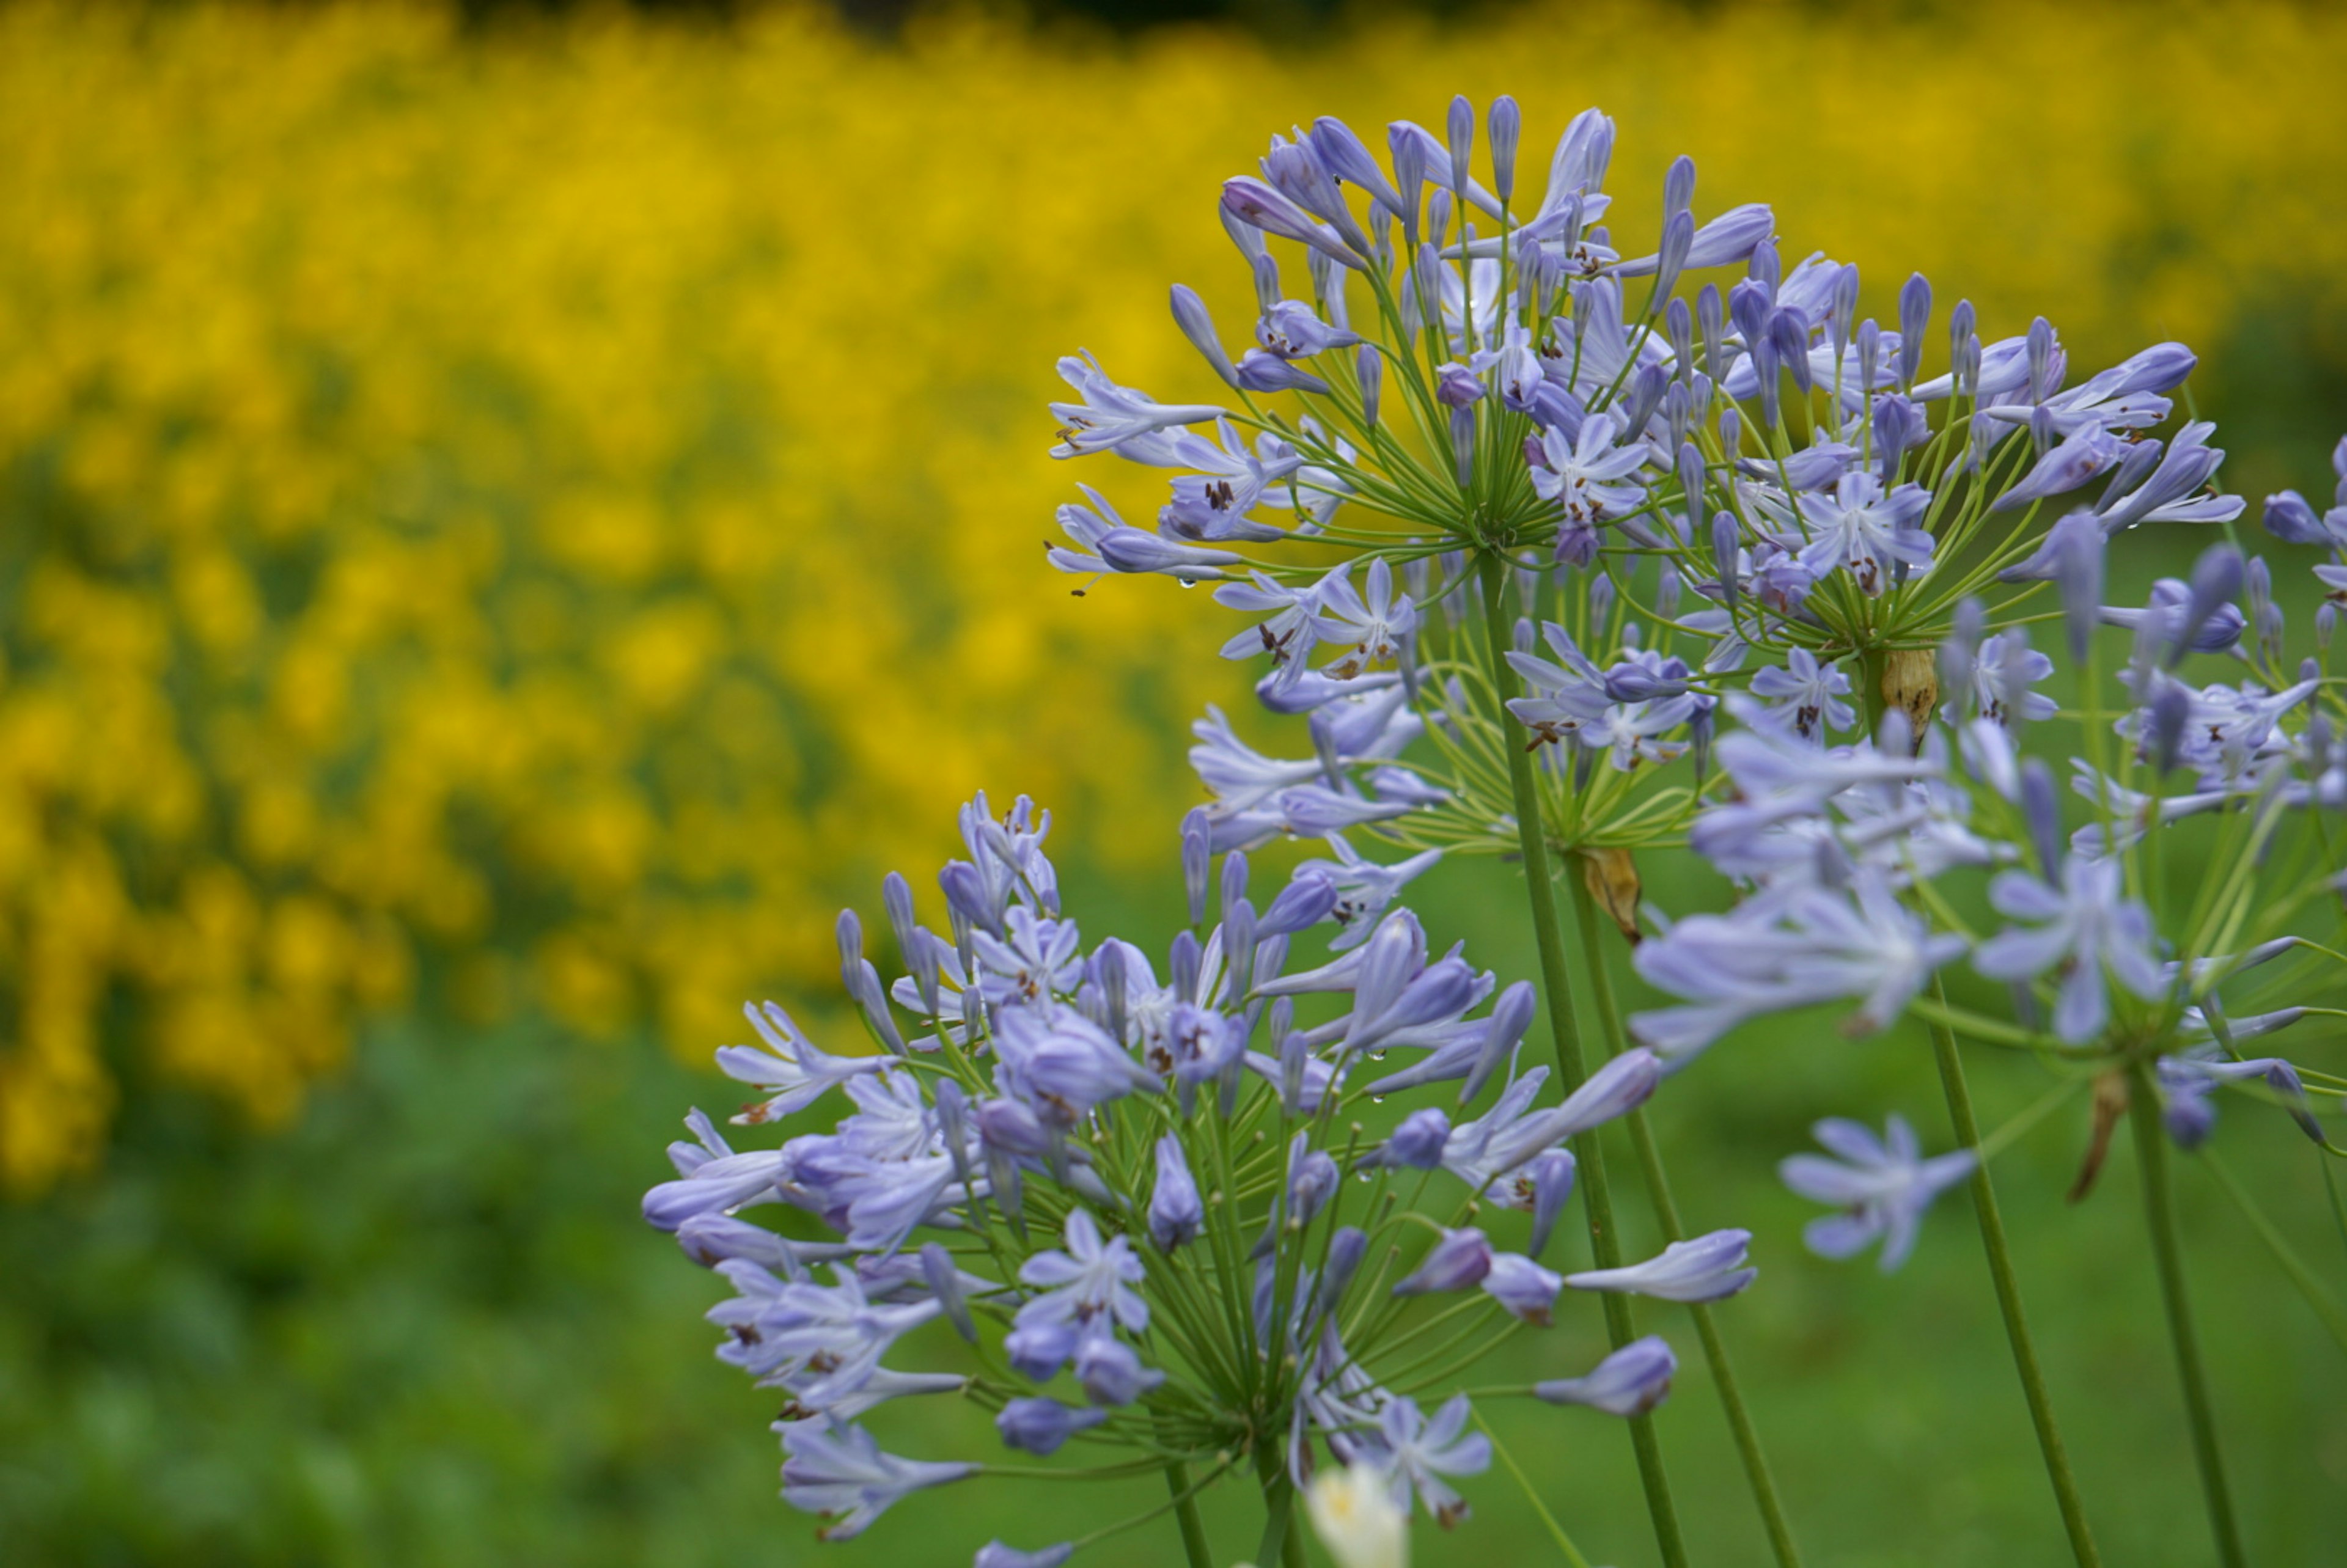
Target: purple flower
column 1461, row 1258
column 1040, row 1426
column 1417, row 1454
column 1526, row 1289
column 1629, row 1382
column 711, row 1178
column 1584, row 474
column 2083, row 927
column 1176, row 1212
column 1090, row 1282
column 1806, row 696
column 1110, row 1372
column 1111, row 416
column 1375, row 627
column 1881, row 1184
column 1105, row 543
column 1707, row 1268
column 1865, row 531
column 838, row 1472
column 798, row 1072
column 1065, row 1061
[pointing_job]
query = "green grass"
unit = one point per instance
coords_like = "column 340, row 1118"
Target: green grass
column 425, row 1325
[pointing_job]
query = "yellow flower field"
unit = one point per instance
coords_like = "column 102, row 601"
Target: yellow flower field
column 535, row 519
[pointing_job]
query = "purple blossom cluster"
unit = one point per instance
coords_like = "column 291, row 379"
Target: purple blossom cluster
column 1122, row 1183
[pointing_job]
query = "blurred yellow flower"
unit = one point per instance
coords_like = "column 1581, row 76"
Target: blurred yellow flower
column 537, row 517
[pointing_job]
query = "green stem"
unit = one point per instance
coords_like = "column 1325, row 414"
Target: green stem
column 2008, row 1298
column 1281, row 1542
column 1185, row 1511
column 1557, row 991
column 1658, row 1183
column 2151, row 1151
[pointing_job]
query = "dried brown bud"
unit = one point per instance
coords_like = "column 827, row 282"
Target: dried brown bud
column 1612, row 879
column 1911, row 683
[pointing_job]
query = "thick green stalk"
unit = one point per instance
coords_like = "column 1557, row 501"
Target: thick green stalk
column 2008, row 1298
column 1281, row 1541
column 1658, row 1183
column 2151, row 1152
column 1557, row 991
column 1185, row 1511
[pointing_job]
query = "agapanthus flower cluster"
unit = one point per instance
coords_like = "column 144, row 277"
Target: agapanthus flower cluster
column 1141, row 1190
column 1698, row 482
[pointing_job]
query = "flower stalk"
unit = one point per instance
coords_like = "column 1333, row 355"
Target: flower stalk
column 1604, row 1242
column 2151, row 1150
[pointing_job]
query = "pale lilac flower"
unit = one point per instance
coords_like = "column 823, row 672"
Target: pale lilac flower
column 1882, row 1185
column 1804, row 695
column 798, row 1072
column 1065, row 1060
column 711, row 1178
column 1032, row 958
column 1706, row 1269
column 2083, row 927
column 1417, row 1454
column 1629, row 1382
column 1376, row 626
column 1105, row 543
column 1111, row 416
column 2005, row 673
column 1584, row 474
column 839, row 1473
column 1865, row 531
column 1091, row 1281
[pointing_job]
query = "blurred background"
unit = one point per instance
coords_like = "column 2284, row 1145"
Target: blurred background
column 511, row 515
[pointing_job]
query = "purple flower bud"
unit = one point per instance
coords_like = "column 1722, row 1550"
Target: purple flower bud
column 994, row 1554
column 1749, row 308
column 2216, row 580
column 1041, row 1426
column 1679, row 185
column 2043, row 813
column 1295, row 1054
column 1191, row 315
column 1261, row 371
column 1915, row 315
column 2171, row 710
column 1526, row 1289
column 1767, row 269
column 1711, row 318
column 1870, row 352
column 1512, row 1014
column 945, row 1282
column 1724, row 530
column 1463, row 443
column 1345, row 157
column 1197, row 836
column 1962, row 327
column 1461, row 128
column 1671, row 256
column 1789, row 334
column 1368, row 367
column 1614, row 1090
column 1109, row 1373
column 1409, row 173
column 1843, row 309
column 2077, row 543
column 1255, row 202
column 1176, row 1212
column 1456, row 387
column 1459, row 1261
column 2041, row 359
column 1601, row 599
column 1308, row 899
column 1704, row 1269
column 1507, row 126
column 2288, row 518
column 1629, row 1382
column 1416, row 1143
column 1345, row 1250
column 1552, row 1177
column 850, row 932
